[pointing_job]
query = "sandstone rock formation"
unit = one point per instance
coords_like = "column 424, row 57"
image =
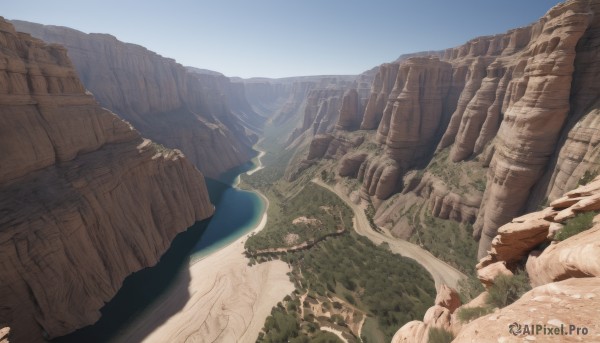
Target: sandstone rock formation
column 538, row 104
column 569, row 302
column 575, row 257
column 349, row 117
column 520, row 240
column 85, row 201
column 198, row 113
column 380, row 91
column 521, row 104
column 4, row 332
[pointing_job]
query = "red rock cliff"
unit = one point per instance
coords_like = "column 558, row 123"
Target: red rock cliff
column 85, row 200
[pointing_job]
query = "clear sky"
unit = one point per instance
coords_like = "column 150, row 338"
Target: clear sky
column 277, row 38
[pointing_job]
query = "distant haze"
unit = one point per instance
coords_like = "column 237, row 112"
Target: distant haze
column 279, row 38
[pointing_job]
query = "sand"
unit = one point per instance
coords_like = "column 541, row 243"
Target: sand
column 221, row 300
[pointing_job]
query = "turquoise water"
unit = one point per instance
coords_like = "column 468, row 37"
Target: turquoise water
column 237, row 212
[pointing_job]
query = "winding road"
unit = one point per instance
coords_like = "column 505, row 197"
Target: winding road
column 442, row 272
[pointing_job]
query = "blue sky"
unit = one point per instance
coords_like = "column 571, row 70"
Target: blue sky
column 277, row 38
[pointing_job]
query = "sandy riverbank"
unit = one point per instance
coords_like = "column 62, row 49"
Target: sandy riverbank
column 221, row 299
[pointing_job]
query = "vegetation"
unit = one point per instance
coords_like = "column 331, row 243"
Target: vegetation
column 467, row 314
column 264, row 178
column 344, row 282
column 327, row 176
column 448, row 240
column 284, row 325
column 358, row 274
column 507, row 289
column 463, row 177
column 350, row 273
column 440, row 335
column 581, row 222
column 321, row 213
column 370, row 332
column 370, row 213
column 587, row 177
column 469, row 288
column 160, row 148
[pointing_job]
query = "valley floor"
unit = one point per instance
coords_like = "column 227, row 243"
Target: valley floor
column 228, row 302
column 441, row 272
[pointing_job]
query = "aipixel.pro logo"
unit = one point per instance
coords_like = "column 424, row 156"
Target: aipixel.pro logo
column 518, row 329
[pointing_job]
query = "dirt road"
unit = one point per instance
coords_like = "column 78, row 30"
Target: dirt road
column 441, row 272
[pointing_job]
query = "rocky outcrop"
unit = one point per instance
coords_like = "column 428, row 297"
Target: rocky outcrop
column 521, row 239
column 349, row 117
column 417, row 110
column 350, row 164
column 191, row 111
column 574, row 257
column 85, row 201
column 439, row 316
column 560, row 304
column 577, row 256
column 4, row 333
column 409, row 123
column 380, row 91
column 321, row 111
column 444, row 203
column 319, row 146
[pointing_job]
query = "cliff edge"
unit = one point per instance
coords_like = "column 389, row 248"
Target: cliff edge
column 85, row 200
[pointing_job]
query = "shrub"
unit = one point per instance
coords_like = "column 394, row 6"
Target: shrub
column 469, row 288
column 581, row 222
column 507, row 289
column 439, row 335
column 587, row 177
column 350, row 298
column 466, row 314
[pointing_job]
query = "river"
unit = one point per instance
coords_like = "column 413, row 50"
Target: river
column 237, row 212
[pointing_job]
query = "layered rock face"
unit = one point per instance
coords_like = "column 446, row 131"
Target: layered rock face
column 520, row 105
column 538, row 104
column 85, row 200
column 198, row 113
column 578, row 146
column 218, row 90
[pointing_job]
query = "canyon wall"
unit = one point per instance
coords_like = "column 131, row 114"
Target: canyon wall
column 500, row 123
column 202, row 114
column 301, row 107
column 85, row 200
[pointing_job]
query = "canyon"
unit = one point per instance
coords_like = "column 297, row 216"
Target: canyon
column 106, row 145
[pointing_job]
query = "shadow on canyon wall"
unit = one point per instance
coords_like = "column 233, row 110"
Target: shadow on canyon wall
column 141, row 289
column 170, row 276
